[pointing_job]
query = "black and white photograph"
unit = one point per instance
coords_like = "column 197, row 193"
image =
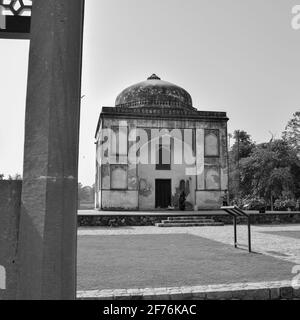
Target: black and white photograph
column 149, row 153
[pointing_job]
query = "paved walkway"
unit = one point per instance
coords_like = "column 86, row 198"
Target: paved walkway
column 146, row 213
column 166, row 212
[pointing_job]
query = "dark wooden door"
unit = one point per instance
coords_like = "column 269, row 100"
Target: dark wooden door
column 162, row 193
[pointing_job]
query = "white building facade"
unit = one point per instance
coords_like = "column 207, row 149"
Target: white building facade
column 153, row 145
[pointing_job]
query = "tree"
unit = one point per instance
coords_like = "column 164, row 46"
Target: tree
column 16, row 176
column 83, row 193
column 271, row 170
column 291, row 133
column 1, row 176
column 242, row 148
column 86, row 194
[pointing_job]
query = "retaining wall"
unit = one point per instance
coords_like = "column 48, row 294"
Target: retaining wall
column 150, row 220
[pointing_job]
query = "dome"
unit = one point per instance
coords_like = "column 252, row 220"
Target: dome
column 154, row 91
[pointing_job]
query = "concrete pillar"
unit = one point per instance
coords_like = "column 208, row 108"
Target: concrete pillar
column 47, row 238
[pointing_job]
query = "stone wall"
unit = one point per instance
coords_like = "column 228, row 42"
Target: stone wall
column 10, row 204
column 150, row 220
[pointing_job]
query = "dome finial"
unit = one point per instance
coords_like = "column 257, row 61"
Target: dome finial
column 154, row 77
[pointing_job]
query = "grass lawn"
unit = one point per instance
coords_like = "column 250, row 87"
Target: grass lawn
column 140, row 261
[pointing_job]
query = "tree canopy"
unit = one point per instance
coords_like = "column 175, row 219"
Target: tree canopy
column 291, row 133
column 269, row 170
column 242, row 148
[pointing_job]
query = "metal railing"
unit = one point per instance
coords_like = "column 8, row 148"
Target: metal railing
column 236, row 212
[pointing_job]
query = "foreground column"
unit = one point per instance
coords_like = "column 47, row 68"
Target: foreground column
column 47, row 238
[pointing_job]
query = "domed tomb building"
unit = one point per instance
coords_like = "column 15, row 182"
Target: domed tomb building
column 153, row 146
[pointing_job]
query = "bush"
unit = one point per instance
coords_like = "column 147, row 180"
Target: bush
column 286, row 204
column 254, row 204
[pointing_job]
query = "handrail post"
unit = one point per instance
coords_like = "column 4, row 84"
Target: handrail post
column 249, row 234
column 235, row 232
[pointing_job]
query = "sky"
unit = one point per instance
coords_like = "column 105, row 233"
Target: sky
column 238, row 56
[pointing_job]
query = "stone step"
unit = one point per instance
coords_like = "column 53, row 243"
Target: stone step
column 188, row 218
column 189, row 224
column 189, row 221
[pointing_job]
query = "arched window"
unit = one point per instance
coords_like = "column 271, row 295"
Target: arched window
column 163, row 157
column 182, row 185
